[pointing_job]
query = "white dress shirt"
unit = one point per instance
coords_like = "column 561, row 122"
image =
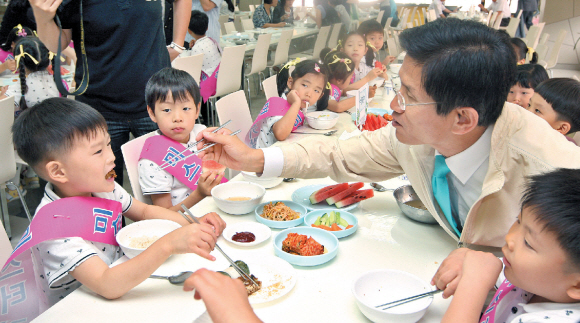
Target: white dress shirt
column 501, row 5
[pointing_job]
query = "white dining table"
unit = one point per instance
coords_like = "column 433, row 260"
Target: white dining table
column 385, row 239
column 299, row 31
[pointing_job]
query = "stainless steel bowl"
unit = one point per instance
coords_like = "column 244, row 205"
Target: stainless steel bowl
column 405, row 194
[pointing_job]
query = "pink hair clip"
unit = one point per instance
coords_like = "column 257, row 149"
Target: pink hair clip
column 316, row 68
column 22, row 33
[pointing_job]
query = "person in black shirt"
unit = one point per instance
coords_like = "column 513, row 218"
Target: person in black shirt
column 284, row 12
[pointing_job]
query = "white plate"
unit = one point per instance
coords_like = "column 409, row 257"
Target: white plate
column 278, row 277
column 262, row 233
column 302, row 196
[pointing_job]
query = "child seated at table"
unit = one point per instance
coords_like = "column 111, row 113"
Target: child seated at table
column 340, row 69
column 212, row 53
column 354, row 45
column 173, row 102
column 75, row 224
column 374, row 34
column 557, row 101
column 523, row 52
column 305, row 86
column 7, row 47
column 528, row 76
column 539, row 280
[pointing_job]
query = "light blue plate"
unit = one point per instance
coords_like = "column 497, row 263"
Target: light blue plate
column 325, row 238
column 282, row 224
column 349, row 217
column 302, row 196
column 373, row 111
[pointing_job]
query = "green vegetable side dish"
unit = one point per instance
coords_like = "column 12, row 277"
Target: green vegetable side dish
column 242, row 265
column 328, row 219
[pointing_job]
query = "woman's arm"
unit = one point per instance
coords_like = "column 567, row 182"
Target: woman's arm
column 280, row 24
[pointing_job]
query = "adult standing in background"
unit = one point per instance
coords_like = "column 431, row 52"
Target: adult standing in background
column 390, row 8
column 125, row 45
column 528, row 7
column 440, row 9
column 212, row 10
column 502, row 8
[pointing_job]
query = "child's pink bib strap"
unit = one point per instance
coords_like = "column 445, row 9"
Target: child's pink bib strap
column 489, row 314
column 274, row 107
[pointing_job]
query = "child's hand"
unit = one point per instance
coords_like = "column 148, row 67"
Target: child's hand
column 372, row 91
column 3, row 91
column 193, row 238
column 449, row 273
column 292, row 97
column 215, row 221
column 374, row 73
column 10, row 64
column 389, row 59
column 207, row 181
column 481, row 268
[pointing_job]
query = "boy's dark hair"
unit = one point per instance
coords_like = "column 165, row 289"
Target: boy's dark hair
column 563, row 94
column 521, row 50
column 13, row 37
column 169, row 79
column 370, row 26
column 530, row 75
column 35, row 48
column 302, row 68
column 464, row 64
column 50, row 128
column 369, row 56
column 198, row 22
column 554, row 198
column 338, row 66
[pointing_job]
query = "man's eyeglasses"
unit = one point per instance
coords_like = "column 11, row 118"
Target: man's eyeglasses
column 403, row 105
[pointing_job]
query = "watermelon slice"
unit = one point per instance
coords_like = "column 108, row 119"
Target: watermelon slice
column 208, row 165
column 355, row 198
column 352, row 187
column 326, row 192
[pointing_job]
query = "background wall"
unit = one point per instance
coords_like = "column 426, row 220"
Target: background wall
column 563, row 14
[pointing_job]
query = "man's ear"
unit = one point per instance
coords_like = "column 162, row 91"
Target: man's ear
column 466, row 119
column 151, row 114
column 55, row 172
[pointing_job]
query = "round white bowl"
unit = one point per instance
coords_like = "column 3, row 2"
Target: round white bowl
column 222, row 192
column 282, row 224
column 395, row 68
column 325, row 238
column 386, row 285
column 149, row 228
column 322, row 120
column 311, row 217
column 267, row 182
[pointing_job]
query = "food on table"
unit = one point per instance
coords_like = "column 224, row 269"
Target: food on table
column 331, row 222
column 111, row 174
column 233, row 273
column 238, row 198
column 244, row 237
column 355, row 197
column 142, row 242
column 209, row 165
column 379, row 65
column 351, row 189
column 375, row 122
column 388, row 117
column 279, row 212
column 302, row 245
column 327, row 192
column 416, row 204
column 372, row 91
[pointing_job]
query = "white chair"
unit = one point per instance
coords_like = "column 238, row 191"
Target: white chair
column 542, row 48
column 229, row 77
column 259, row 61
column 552, row 58
column 512, row 26
column 432, row 16
column 270, row 87
column 392, row 46
column 533, row 35
column 131, row 152
column 282, row 49
column 230, row 28
column 424, row 15
column 497, row 22
column 333, row 40
column 380, row 16
column 412, row 14
column 252, row 8
column 492, row 17
column 222, row 20
column 247, row 24
column 238, row 24
column 519, row 16
column 5, row 245
column 387, row 29
column 190, row 64
column 7, row 160
column 318, row 45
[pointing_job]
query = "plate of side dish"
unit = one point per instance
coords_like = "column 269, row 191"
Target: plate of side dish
column 304, row 246
column 339, row 223
column 302, row 196
column 246, row 234
column 280, row 214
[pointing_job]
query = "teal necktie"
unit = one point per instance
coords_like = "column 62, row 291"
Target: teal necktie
column 441, row 190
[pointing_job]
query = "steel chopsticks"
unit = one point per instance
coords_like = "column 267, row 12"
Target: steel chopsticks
column 407, row 300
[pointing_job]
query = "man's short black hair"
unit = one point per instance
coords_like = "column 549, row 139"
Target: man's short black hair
column 169, row 79
column 555, row 200
column 198, row 22
column 563, row 94
column 465, row 64
column 50, row 128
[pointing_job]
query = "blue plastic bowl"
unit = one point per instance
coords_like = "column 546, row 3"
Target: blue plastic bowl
column 282, row 224
column 349, row 217
column 323, row 237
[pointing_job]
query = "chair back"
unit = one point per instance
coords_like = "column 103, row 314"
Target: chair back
column 270, row 87
column 492, row 16
column 412, row 14
column 534, row 35
column 392, row 46
column 247, row 24
column 497, row 22
column 283, row 47
column 519, row 15
column 380, row 16
column 222, row 20
column 397, row 43
column 260, row 59
column 238, row 24
column 432, row 16
column 252, row 8
column 235, row 107
column 552, row 58
column 388, row 27
column 7, row 159
column 333, row 40
column 131, row 152
column 424, row 15
column 320, row 41
column 512, row 26
column 230, row 28
column 190, row 64
column 5, row 245
column 231, row 64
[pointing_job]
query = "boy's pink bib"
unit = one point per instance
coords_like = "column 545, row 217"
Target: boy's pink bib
column 335, row 92
column 90, row 218
column 208, row 84
column 489, row 314
column 161, row 149
column 275, row 106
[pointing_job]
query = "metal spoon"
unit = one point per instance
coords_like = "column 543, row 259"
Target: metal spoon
column 330, row 133
column 380, row 188
column 175, row 279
